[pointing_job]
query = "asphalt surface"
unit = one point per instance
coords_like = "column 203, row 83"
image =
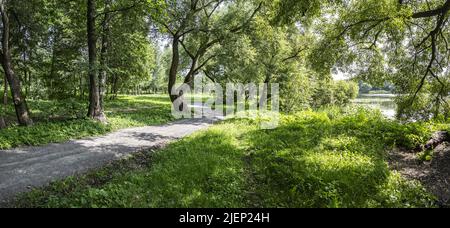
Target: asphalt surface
column 22, row 169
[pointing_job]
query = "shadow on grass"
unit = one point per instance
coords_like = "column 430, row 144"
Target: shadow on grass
column 202, row 171
column 64, row 120
column 313, row 161
column 37, row 166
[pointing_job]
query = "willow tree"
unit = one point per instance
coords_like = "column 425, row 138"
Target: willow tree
column 266, row 53
column 404, row 42
column 196, row 27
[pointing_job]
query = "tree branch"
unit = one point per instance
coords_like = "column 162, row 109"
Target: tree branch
column 431, row 13
column 123, row 9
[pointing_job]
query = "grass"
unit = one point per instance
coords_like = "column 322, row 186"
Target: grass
column 63, row 121
column 332, row 158
column 380, row 92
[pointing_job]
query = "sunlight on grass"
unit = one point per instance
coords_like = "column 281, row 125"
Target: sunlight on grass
column 62, row 121
column 344, row 160
column 309, row 161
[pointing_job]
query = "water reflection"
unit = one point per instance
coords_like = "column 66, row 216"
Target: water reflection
column 384, row 102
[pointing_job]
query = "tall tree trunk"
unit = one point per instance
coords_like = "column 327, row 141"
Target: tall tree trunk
column 20, row 103
column 52, row 72
column 174, row 67
column 5, row 103
column 29, row 92
column 265, row 95
column 81, row 88
column 103, row 53
column 25, row 81
column 95, row 111
column 173, row 74
column 115, row 87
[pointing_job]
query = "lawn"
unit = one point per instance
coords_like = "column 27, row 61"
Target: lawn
column 330, row 158
column 59, row 121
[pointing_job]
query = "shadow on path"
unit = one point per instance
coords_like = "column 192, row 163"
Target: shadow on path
column 24, row 168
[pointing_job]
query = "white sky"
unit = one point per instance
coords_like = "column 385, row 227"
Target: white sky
column 339, row 76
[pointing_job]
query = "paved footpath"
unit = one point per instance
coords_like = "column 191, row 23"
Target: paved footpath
column 24, row 168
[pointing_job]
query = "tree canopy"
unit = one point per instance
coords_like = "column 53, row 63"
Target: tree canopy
column 95, row 49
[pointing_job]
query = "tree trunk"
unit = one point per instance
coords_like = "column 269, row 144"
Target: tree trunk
column 174, row 72
column 189, row 79
column 114, row 87
column 5, row 103
column 5, row 93
column 25, row 76
column 103, row 54
column 436, row 139
column 52, row 72
column 29, row 92
column 174, row 67
column 20, row 103
column 2, row 123
column 95, row 111
column 265, row 96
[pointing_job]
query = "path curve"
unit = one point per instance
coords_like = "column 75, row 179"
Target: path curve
column 24, row 168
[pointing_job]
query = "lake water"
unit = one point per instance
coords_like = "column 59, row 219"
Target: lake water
column 384, row 102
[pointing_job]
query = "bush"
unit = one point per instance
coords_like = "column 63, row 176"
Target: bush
column 334, row 93
column 344, row 92
column 295, row 92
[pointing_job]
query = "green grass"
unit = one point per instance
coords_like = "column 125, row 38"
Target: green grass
column 380, row 92
column 65, row 120
column 331, row 158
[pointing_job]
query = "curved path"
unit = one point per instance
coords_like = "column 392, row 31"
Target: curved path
column 24, row 168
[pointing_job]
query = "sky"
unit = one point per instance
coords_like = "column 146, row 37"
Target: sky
column 339, row 76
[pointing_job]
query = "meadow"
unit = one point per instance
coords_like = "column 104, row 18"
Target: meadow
column 330, row 158
column 60, row 121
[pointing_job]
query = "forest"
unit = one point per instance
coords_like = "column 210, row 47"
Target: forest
column 76, row 70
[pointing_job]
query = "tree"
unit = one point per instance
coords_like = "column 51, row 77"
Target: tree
column 19, row 101
column 131, row 53
column 106, row 33
column 403, row 42
column 197, row 26
column 5, row 104
column 95, row 110
column 266, row 52
column 98, row 73
column 131, row 57
column 54, row 44
column 294, row 11
column 59, row 60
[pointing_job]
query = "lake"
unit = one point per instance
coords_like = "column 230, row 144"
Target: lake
column 384, row 102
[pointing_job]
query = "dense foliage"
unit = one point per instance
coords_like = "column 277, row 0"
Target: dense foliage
column 68, row 69
column 95, row 49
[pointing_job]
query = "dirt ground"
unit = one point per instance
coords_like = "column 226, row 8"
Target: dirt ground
column 434, row 175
